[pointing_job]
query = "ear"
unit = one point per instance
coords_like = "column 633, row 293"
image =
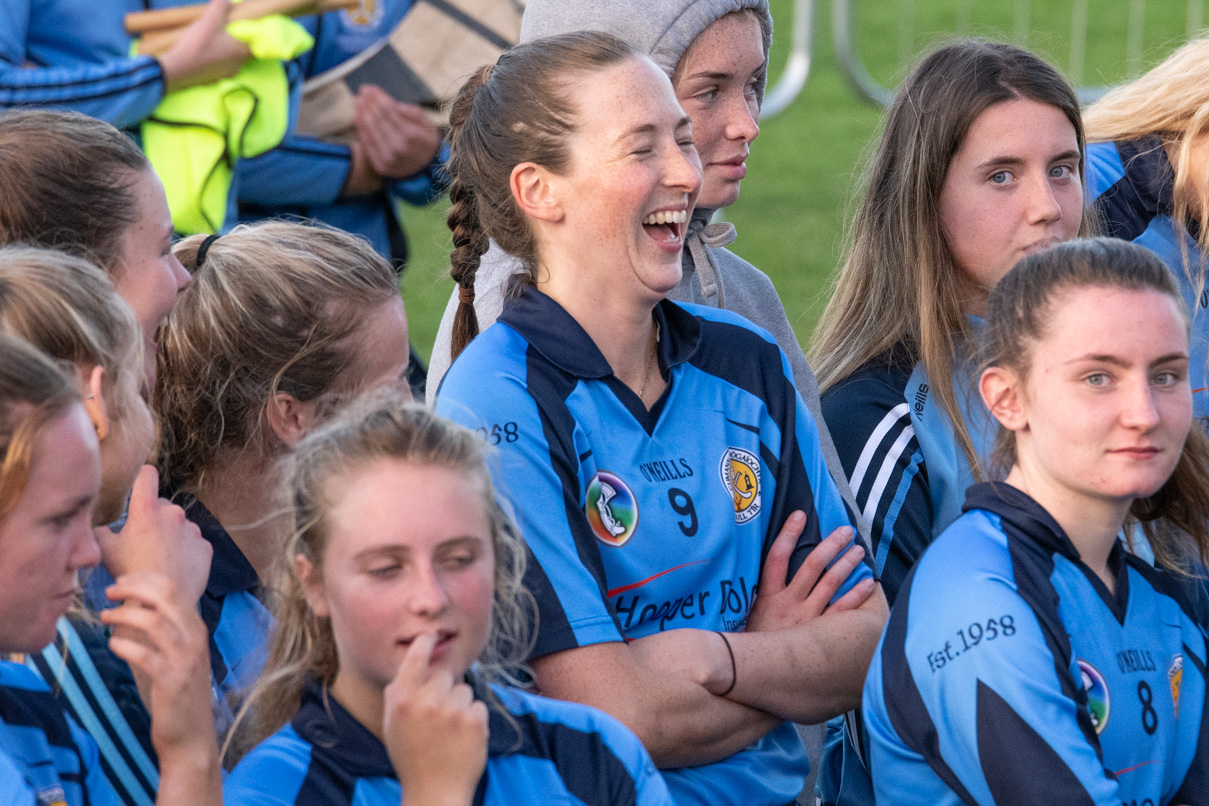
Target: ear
column 94, row 401
column 534, row 189
column 312, row 587
column 1003, row 394
column 290, row 418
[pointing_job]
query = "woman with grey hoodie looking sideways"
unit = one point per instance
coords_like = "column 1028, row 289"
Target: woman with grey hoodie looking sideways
column 716, row 53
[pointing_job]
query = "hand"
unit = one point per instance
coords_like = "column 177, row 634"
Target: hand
column 157, row 538
column 434, row 729
column 162, row 637
column 394, row 140
column 808, row 595
column 204, row 51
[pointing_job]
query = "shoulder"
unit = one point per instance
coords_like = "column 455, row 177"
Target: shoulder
column 1103, row 166
column 870, row 400
column 597, row 758
column 494, row 363
column 272, row 772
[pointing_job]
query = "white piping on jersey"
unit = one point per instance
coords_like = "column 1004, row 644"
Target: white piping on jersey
column 887, row 469
column 862, row 465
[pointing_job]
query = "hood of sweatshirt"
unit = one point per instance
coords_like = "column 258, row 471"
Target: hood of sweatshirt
column 662, row 29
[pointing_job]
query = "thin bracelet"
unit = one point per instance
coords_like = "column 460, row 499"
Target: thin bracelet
column 734, row 670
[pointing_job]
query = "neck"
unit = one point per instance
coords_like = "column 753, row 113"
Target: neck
column 241, row 499
column 621, row 328
column 366, row 702
column 1093, row 525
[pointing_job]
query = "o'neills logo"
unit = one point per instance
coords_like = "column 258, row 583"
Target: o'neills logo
column 612, row 509
column 740, row 473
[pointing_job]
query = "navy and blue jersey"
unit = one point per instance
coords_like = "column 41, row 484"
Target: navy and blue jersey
column 1129, row 186
column 236, row 618
column 640, row 521
column 909, row 477
column 97, row 690
column 540, row 751
column 45, row 758
column 1009, row 673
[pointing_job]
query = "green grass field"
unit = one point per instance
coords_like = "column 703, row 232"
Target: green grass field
column 805, row 167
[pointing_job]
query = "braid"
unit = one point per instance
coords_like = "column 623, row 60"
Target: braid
column 469, row 239
column 469, row 244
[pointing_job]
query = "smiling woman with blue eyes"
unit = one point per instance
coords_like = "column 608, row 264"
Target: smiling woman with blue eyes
column 980, row 165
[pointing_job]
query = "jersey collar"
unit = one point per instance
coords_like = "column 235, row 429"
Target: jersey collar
column 230, row 571
column 555, row 334
column 1149, row 173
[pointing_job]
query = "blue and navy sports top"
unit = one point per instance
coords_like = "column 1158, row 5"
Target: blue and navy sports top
column 1129, row 186
column 640, row 521
column 1008, row 673
column 45, row 758
column 542, row 752
column 237, row 620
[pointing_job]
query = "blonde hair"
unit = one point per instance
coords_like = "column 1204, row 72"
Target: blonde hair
column 67, row 307
column 380, row 426
column 272, row 308
column 1176, row 518
column 899, row 284
column 34, row 391
column 1171, row 101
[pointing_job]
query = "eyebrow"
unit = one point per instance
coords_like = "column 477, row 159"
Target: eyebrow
column 1116, row 361
column 70, row 508
column 1012, row 162
column 406, row 550
column 651, row 128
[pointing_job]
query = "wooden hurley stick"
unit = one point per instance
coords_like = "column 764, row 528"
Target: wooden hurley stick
column 161, row 28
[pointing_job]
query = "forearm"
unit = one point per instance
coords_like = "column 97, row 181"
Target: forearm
column 810, row 673
column 678, row 721
column 190, row 777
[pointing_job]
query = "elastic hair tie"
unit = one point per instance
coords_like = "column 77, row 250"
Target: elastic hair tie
column 203, row 249
column 466, row 294
column 734, row 670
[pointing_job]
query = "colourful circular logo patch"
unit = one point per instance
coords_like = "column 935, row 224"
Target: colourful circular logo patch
column 1097, row 695
column 740, row 473
column 612, row 509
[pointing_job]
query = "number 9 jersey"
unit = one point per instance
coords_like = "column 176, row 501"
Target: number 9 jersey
column 1009, row 674
column 640, row 521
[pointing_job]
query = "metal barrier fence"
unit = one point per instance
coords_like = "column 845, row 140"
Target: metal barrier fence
column 1104, row 44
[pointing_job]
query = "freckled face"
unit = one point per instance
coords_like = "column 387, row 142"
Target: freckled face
column 1108, row 403
column 716, row 83
column 47, row 537
column 409, row 552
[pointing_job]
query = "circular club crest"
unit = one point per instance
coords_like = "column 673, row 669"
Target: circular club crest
column 1097, row 695
column 367, row 12
column 740, row 473
column 612, row 509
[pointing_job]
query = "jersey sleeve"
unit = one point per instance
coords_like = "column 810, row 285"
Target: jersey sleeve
column 121, row 92
column 968, row 681
column 536, row 470
column 870, row 423
column 270, row 775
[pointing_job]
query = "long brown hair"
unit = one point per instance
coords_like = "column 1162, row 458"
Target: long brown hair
column 522, row 109
column 68, row 184
column 1176, row 518
column 898, row 284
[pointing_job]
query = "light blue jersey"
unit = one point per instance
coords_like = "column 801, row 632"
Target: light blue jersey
column 45, row 758
column 640, row 521
column 1009, row 674
column 540, row 752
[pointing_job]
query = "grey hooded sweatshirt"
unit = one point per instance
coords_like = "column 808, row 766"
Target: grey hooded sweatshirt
column 713, row 275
